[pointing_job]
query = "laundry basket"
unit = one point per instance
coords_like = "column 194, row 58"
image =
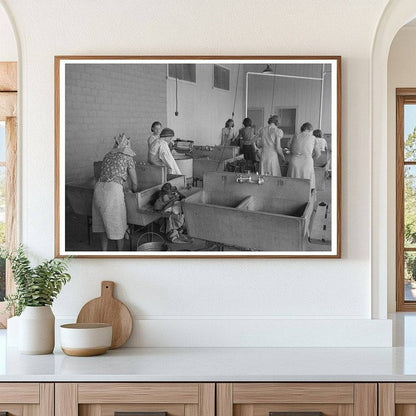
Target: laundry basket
column 156, row 243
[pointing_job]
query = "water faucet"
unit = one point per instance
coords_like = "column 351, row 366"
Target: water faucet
column 242, row 179
column 248, row 179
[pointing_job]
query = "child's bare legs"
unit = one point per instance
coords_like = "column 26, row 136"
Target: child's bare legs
column 104, row 241
column 120, row 244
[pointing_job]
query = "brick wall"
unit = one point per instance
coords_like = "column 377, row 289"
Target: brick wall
column 103, row 100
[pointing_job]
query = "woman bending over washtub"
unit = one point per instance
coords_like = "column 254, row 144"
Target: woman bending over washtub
column 109, row 214
column 303, row 148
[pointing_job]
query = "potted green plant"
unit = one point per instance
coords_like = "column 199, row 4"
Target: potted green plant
column 36, row 289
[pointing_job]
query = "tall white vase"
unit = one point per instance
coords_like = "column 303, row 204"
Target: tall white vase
column 13, row 332
column 37, row 330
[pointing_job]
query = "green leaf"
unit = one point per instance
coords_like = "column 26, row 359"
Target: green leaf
column 35, row 286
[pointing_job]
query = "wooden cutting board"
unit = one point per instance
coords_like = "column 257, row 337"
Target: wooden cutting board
column 107, row 309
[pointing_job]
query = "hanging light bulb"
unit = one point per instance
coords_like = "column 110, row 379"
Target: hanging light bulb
column 267, row 70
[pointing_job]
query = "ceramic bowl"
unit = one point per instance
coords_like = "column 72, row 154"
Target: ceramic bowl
column 83, row 340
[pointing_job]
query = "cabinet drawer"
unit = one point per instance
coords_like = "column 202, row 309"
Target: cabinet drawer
column 296, row 399
column 152, row 399
column 21, row 399
column 138, row 393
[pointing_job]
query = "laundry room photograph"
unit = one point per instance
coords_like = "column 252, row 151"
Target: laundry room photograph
column 209, row 156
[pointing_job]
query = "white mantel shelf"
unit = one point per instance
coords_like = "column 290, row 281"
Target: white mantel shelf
column 214, row 365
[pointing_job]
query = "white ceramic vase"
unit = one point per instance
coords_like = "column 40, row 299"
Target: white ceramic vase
column 37, row 330
column 13, row 331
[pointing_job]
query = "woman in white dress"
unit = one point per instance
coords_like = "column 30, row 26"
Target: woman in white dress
column 303, row 147
column 156, row 129
column 269, row 143
column 159, row 152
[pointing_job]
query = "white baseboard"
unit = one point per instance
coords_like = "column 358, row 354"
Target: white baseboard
column 253, row 332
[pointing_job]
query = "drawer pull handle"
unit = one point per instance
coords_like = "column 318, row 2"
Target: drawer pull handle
column 139, row 414
column 296, row 414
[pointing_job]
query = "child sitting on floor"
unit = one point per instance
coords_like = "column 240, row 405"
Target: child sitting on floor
column 168, row 202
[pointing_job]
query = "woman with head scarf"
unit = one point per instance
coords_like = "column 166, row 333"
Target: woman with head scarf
column 160, row 153
column 269, row 143
column 303, row 147
column 109, row 216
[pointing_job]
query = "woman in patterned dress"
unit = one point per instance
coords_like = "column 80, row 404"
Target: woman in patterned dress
column 109, row 215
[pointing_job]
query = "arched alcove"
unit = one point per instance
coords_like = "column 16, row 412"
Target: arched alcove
column 401, row 74
column 396, row 14
column 8, row 44
column 9, row 57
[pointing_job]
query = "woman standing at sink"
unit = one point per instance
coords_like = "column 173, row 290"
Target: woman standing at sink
column 246, row 138
column 160, row 153
column 109, row 216
column 270, row 149
column 228, row 133
column 303, row 147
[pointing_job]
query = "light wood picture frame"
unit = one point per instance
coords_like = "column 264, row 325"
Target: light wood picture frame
column 268, row 188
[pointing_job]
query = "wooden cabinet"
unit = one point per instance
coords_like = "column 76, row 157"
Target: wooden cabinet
column 27, row 399
column 106, row 399
column 397, row 399
column 208, row 399
column 297, row 399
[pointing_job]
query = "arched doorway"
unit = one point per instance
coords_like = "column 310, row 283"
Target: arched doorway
column 8, row 147
column 396, row 14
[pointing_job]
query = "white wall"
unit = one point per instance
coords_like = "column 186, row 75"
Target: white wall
column 8, row 47
column 401, row 74
column 302, row 94
column 203, row 122
column 268, row 301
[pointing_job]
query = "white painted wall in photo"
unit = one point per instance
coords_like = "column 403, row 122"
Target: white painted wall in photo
column 217, row 289
column 203, row 122
column 302, row 94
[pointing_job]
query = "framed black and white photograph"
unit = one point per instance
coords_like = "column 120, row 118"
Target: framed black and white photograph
column 198, row 156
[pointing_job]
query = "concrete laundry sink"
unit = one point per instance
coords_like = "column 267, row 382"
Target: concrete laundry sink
column 205, row 164
column 215, row 152
column 273, row 216
column 150, row 178
column 212, row 159
column 321, row 167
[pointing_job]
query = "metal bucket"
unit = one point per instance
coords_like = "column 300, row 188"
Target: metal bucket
column 152, row 245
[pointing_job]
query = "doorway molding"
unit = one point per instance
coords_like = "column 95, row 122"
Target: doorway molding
column 396, row 14
column 13, row 138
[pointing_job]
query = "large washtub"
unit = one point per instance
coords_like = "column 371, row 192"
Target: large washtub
column 212, row 159
column 205, row 164
column 321, row 168
column 215, row 152
column 139, row 204
column 273, row 216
